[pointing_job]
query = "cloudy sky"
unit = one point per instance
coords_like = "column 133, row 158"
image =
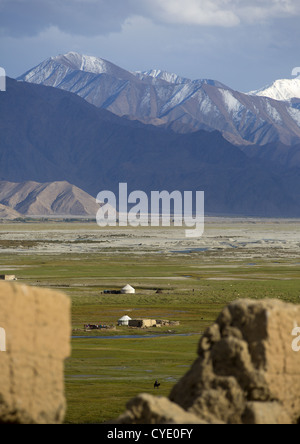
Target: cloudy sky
column 245, row 44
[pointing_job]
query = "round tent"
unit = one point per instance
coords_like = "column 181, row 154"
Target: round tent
column 128, row 290
column 124, row 320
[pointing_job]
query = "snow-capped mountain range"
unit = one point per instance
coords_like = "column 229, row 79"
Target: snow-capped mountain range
column 160, row 98
column 284, row 90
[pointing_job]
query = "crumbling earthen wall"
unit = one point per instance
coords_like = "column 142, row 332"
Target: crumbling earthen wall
column 37, row 329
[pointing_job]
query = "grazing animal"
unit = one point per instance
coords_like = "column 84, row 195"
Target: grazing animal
column 156, row 385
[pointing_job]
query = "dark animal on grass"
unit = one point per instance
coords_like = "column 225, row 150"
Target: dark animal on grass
column 156, row 385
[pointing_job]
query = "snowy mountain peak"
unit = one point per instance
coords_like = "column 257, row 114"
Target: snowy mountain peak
column 162, row 75
column 84, row 63
column 282, row 90
column 53, row 71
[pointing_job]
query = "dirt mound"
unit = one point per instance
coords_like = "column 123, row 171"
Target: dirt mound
column 46, row 199
column 147, row 409
column 8, row 213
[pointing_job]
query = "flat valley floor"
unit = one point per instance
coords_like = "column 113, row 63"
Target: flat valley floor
column 178, row 279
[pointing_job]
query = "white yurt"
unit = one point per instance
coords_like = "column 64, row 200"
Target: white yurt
column 124, row 321
column 128, row 289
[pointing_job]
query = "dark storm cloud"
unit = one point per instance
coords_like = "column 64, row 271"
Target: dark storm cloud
column 80, row 17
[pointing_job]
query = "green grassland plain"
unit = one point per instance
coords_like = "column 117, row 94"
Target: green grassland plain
column 196, row 278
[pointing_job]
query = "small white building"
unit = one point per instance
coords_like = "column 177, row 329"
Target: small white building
column 8, row 277
column 128, row 289
column 124, row 321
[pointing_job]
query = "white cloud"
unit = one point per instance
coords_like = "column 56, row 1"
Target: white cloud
column 193, row 12
column 225, row 13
